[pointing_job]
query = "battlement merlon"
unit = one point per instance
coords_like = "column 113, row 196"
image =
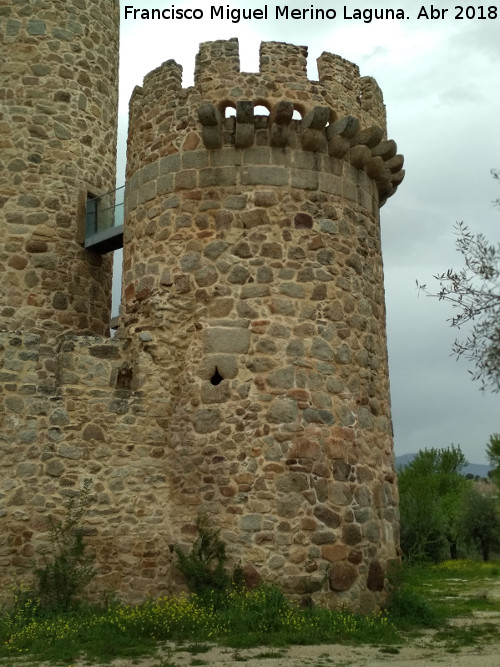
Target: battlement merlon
column 275, row 56
column 214, row 60
column 282, row 75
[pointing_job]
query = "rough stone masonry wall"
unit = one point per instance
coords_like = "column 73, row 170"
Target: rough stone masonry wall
column 252, row 265
column 58, row 123
column 70, row 412
column 248, row 379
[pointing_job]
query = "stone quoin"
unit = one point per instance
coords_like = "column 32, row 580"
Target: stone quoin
column 248, row 376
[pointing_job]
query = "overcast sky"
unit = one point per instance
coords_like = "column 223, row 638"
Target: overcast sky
column 441, row 84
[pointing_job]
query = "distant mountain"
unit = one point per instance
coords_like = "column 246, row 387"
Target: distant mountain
column 404, row 459
column 476, row 469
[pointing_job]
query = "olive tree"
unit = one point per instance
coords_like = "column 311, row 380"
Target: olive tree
column 431, row 488
column 474, row 291
column 493, row 454
column 480, row 522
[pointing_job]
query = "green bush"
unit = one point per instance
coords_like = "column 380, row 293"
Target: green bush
column 67, row 568
column 408, row 609
column 258, row 611
column 204, row 567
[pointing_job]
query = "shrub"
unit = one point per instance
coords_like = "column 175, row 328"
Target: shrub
column 205, row 565
column 408, row 609
column 67, row 569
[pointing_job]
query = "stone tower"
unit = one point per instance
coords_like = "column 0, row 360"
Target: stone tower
column 253, row 307
column 58, row 122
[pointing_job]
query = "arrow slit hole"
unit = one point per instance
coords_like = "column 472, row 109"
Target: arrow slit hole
column 216, row 377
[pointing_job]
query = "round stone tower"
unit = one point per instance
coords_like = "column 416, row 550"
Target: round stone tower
column 253, row 287
column 58, row 120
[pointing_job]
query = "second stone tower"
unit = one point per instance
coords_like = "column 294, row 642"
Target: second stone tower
column 58, row 128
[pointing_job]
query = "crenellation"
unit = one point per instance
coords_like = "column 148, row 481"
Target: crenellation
column 371, row 97
column 167, row 77
column 356, row 94
column 332, row 67
column 214, row 60
column 340, row 86
column 276, row 56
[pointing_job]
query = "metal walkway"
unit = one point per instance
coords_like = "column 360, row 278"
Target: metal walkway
column 104, row 222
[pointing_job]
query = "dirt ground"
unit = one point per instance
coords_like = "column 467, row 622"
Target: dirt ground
column 419, row 653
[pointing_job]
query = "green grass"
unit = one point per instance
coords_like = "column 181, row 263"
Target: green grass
column 267, row 655
column 424, row 597
column 432, row 596
column 453, row 588
column 456, row 638
column 247, row 619
column 196, row 648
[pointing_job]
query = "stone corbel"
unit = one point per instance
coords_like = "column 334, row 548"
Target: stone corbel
column 245, row 128
column 211, row 121
column 370, row 136
column 395, row 164
column 359, row 155
column 338, row 135
column 385, row 149
column 397, row 178
column 279, row 120
column 313, row 128
column 375, row 167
